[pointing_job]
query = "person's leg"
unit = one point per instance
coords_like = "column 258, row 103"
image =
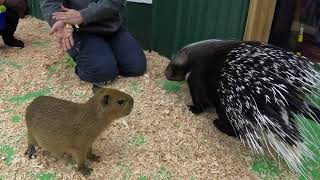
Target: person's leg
column 130, row 56
column 12, row 20
column 281, row 24
column 95, row 62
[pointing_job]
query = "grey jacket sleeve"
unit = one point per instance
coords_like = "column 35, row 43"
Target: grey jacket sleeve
column 102, row 9
column 48, row 7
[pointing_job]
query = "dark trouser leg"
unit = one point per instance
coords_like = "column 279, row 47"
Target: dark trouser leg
column 130, row 56
column 12, row 20
column 94, row 58
column 100, row 59
column 281, row 25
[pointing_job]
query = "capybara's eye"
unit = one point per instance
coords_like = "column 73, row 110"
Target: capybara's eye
column 121, row 101
column 105, row 99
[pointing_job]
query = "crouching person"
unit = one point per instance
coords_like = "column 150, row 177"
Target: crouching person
column 93, row 34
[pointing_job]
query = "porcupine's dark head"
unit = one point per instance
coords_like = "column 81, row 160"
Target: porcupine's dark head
column 178, row 67
column 205, row 50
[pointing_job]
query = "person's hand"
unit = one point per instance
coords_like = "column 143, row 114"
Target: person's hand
column 1, row 2
column 68, row 16
column 63, row 32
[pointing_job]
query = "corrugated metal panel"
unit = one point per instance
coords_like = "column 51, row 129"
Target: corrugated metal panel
column 138, row 18
column 177, row 23
column 34, row 8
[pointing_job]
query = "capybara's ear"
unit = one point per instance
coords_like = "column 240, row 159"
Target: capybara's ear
column 95, row 88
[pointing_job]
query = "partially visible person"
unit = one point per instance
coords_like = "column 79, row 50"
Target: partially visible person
column 92, row 32
column 281, row 24
column 15, row 10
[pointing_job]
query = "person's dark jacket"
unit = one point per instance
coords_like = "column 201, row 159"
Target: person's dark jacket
column 100, row 16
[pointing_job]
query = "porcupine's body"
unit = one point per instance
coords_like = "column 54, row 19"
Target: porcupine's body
column 256, row 89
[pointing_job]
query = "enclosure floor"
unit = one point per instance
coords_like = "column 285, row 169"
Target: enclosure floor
column 160, row 139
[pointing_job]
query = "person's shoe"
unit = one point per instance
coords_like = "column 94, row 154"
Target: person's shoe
column 13, row 42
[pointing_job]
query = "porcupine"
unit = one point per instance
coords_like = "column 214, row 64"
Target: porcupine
column 256, row 88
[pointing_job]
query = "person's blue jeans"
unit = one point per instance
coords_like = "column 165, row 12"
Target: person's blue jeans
column 101, row 59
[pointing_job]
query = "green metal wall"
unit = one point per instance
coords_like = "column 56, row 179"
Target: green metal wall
column 34, row 8
column 138, row 18
column 167, row 25
column 179, row 22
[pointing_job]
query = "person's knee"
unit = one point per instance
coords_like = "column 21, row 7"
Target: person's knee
column 137, row 68
column 97, row 73
column 130, row 56
column 94, row 58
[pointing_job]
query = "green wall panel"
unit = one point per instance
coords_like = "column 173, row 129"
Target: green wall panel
column 138, row 18
column 34, row 8
column 177, row 23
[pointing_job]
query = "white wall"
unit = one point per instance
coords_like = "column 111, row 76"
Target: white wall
column 141, row 1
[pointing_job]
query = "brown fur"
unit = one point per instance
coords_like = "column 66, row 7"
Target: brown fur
column 61, row 126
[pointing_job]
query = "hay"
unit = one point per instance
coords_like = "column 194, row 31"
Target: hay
column 160, row 139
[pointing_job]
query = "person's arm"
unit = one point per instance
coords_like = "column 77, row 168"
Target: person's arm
column 62, row 31
column 1, row 2
column 48, row 7
column 102, row 9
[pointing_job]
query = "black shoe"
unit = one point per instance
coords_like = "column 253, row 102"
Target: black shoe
column 13, row 42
